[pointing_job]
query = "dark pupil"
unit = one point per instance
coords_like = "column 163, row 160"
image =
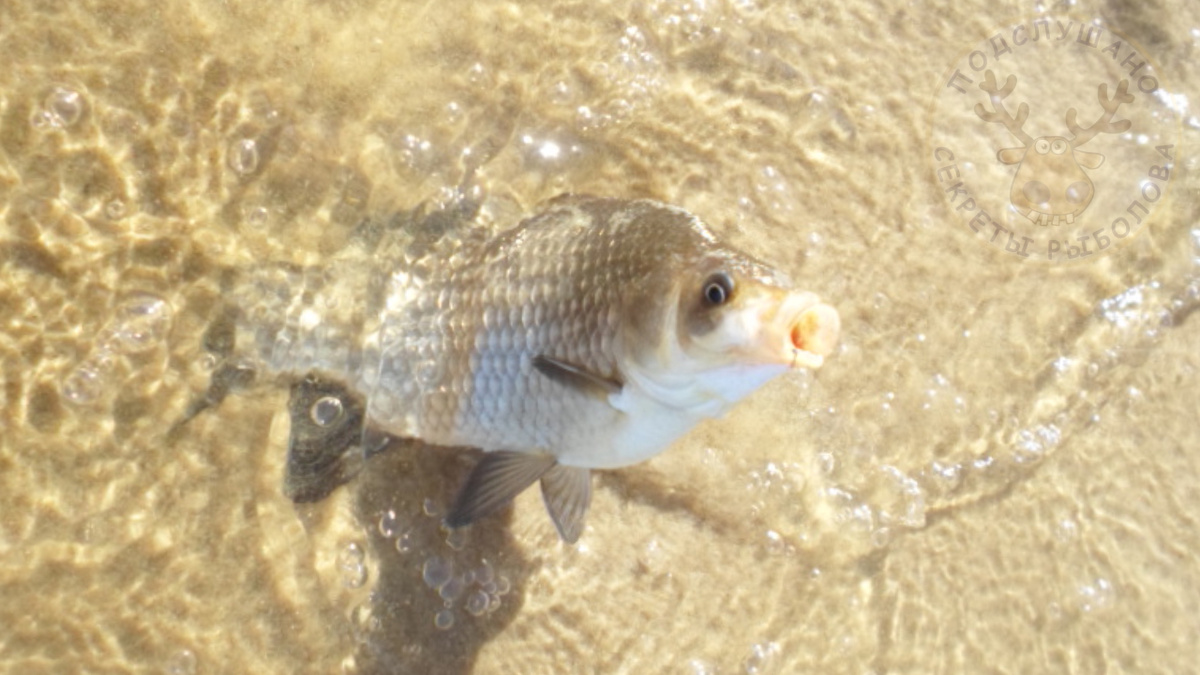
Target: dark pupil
column 715, row 293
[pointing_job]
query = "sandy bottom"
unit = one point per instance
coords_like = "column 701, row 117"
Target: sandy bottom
column 997, row 472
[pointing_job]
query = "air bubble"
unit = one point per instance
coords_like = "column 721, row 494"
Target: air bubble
column 444, row 620
column 827, row 462
column 61, row 108
column 453, row 589
column 416, row 153
column 477, row 603
column 561, row 93
column 82, row 386
column 881, row 537
column 363, row 621
column 256, row 216
column 1066, row 530
column 182, row 662
column 949, row 475
column 761, row 656
column 243, row 156
column 388, row 523
column 437, row 571
column 775, row 543
column 142, row 321
column 87, row 382
column 1028, row 450
column 115, row 210
column 326, row 411
column 1096, row 596
column 404, row 542
column 456, row 538
column 477, row 75
column 350, row 562
column 427, row 373
column 484, row 573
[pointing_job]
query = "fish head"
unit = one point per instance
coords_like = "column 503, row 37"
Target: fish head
column 714, row 324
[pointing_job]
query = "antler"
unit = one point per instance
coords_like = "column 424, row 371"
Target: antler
column 999, row 113
column 1104, row 124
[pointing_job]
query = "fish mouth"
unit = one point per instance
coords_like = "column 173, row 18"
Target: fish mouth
column 812, row 331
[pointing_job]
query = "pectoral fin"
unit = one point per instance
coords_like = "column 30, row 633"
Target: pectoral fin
column 578, row 378
column 567, row 492
column 496, row 480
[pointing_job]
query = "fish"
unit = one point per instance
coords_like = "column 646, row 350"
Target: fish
column 590, row 336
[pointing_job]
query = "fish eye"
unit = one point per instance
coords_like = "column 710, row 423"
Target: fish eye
column 1058, row 147
column 1042, row 146
column 717, row 289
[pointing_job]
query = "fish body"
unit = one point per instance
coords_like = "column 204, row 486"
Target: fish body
column 590, row 336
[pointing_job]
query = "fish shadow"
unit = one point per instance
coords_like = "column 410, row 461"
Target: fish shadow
column 438, row 595
column 406, row 479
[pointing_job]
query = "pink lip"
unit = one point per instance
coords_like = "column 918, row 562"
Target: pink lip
column 814, row 335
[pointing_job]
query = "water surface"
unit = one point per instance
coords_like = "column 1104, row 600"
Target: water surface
column 996, row 473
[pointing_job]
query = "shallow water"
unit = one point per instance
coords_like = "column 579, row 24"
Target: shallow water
column 996, row 473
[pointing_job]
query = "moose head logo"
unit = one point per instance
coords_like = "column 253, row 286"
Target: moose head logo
column 1051, row 186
